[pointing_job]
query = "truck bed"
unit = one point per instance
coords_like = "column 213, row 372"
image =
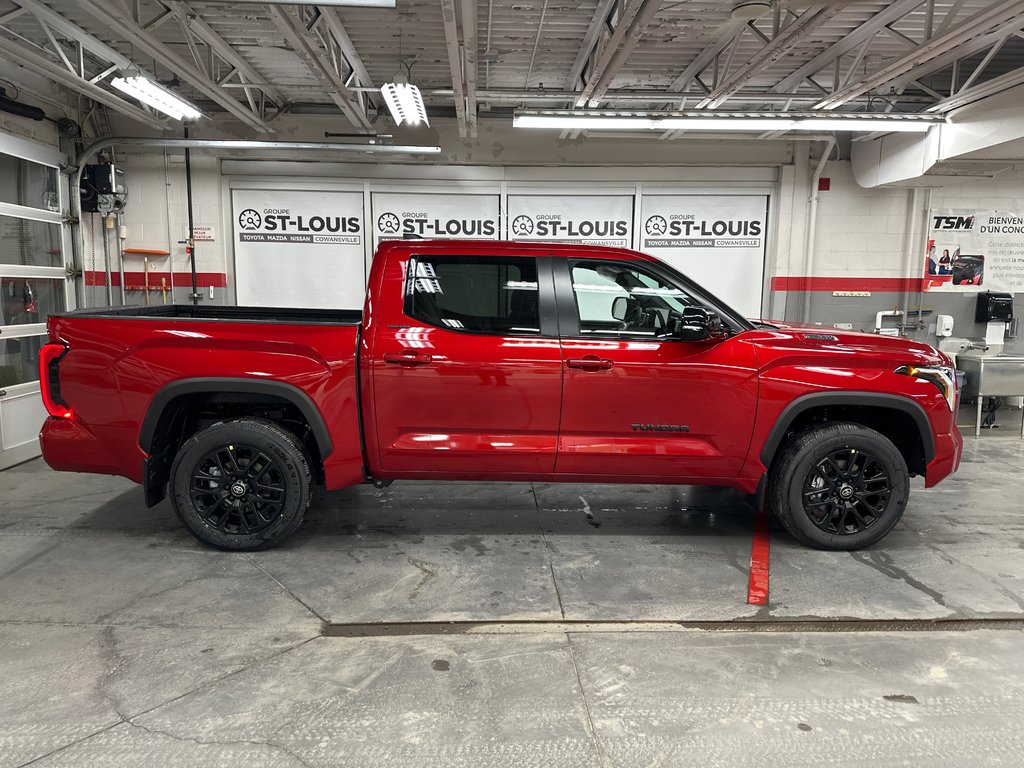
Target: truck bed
column 236, row 314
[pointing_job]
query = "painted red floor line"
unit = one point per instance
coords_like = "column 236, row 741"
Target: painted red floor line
column 757, row 591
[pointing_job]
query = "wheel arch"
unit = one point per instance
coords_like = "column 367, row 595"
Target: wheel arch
column 899, row 418
column 160, row 433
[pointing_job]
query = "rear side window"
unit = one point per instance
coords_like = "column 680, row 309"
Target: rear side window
column 475, row 294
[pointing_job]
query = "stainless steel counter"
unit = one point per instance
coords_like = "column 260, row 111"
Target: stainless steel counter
column 992, row 376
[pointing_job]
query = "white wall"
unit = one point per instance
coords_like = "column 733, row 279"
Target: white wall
column 156, row 217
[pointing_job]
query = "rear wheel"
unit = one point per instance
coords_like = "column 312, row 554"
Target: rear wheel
column 241, row 485
column 839, row 486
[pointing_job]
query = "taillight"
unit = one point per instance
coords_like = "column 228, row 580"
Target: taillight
column 50, row 356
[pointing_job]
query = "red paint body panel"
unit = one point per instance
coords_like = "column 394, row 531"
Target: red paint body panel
column 480, row 404
column 436, row 403
column 708, row 388
column 116, row 365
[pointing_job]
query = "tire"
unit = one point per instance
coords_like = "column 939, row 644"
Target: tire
column 828, row 500
column 265, row 494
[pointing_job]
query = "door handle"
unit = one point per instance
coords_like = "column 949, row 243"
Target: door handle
column 407, row 358
column 590, row 363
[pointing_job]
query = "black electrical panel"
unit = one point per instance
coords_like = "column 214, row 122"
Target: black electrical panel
column 993, row 306
column 103, row 179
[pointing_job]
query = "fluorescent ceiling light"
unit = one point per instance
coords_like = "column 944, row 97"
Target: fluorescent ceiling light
column 710, row 121
column 406, row 103
column 156, row 96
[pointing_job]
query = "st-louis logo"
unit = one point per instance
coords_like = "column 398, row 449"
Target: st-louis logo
column 389, row 223
column 522, row 226
column 656, row 226
column 249, row 219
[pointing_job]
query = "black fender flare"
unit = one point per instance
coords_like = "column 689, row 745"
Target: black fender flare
column 863, row 399
column 224, row 385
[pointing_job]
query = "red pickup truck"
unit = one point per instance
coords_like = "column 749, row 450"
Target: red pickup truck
column 497, row 361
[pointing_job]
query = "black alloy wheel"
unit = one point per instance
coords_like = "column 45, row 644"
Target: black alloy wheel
column 846, row 492
column 238, row 489
column 241, row 485
column 839, row 486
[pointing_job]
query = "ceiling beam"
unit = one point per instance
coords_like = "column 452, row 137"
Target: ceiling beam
column 471, row 47
column 730, row 31
column 789, row 38
column 52, row 71
column 597, row 24
column 999, row 16
column 633, row 19
column 73, row 32
column 451, row 39
column 337, row 29
column 848, row 43
column 144, row 41
column 221, row 47
column 978, row 92
column 340, row 93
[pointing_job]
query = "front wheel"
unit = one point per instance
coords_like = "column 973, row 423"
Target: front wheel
column 839, row 486
column 241, row 485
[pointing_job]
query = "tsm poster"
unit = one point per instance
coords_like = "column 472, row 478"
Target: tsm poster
column 970, row 250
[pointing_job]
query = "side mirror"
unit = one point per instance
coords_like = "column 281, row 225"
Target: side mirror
column 621, row 306
column 696, row 324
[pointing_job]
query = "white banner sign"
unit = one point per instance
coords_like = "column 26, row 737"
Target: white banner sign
column 398, row 215
column 718, row 241
column 972, row 251
column 299, row 249
column 587, row 219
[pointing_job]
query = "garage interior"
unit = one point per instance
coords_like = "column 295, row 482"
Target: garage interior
column 863, row 143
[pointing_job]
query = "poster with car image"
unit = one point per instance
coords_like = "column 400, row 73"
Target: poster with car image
column 718, row 241
column 971, row 251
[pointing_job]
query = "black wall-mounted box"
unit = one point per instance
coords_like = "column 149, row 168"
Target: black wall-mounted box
column 993, row 306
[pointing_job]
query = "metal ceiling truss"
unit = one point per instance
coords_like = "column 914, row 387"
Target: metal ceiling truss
column 307, row 31
column 626, row 25
column 70, row 57
column 143, row 40
column 223, row 64
column 953, row 41
column 786, row 40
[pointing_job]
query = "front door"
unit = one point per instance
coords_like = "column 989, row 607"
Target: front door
column 636, row 402
column 467, row 379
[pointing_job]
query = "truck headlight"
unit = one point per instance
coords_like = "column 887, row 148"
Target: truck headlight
column 942, row 376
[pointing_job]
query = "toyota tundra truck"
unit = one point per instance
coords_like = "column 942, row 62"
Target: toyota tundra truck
column 505, row 361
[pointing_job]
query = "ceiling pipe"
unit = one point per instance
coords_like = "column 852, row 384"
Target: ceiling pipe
column 90, row 152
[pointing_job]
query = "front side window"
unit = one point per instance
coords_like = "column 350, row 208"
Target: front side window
column 475, row 294
column 620, row 299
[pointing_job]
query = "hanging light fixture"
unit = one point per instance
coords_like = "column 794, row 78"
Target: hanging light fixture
column 404, row 100
column 152, row 94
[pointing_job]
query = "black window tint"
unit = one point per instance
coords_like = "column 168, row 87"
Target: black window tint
column 497, row 296
column 647, row 304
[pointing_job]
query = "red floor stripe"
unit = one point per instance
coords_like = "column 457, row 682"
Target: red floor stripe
column 757, row 591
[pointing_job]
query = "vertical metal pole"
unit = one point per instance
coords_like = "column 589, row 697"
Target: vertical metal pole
column 106, row 260
column 120, row 256
column 190, row 240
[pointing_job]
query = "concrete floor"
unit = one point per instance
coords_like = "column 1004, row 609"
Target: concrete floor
column 125, row 643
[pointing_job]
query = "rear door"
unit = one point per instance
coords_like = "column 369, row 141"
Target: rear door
column 467, row 375
column 637, row 403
